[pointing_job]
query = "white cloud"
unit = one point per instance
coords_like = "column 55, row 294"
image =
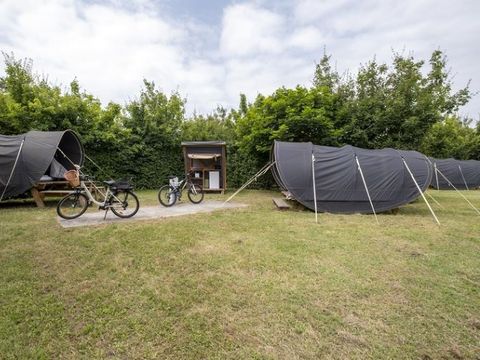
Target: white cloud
column 310, row 11
column 248, row 30
column 307, row 38
column 257, row 46
column 359, row 30
column 109, row 49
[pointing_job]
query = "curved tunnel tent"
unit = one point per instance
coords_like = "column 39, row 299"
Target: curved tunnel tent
column 338, row 182
column 462, row 174
column 26, row 158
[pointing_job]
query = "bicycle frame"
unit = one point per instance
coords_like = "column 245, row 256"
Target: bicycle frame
column 84, row 189
column 183, row 184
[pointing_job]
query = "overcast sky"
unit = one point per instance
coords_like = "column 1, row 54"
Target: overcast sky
column 211, row 51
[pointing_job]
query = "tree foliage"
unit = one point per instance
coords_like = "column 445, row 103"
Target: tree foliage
column 408, row 104
column 451, row 138
column 382, row 106
column 394, row 106
column 219, row 125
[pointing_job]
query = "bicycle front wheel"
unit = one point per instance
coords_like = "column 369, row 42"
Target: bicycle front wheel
column 72, row 206
column 167, row 196
column 125, row 204
column 195, row 193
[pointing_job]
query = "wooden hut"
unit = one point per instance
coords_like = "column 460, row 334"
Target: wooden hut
column 207, row 161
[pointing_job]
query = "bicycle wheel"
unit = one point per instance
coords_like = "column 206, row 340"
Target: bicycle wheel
column 125, row 204
column 195, row 193
column 167, row 195
column 72, row 206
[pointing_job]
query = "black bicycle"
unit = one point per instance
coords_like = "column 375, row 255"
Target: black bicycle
column 169, row 194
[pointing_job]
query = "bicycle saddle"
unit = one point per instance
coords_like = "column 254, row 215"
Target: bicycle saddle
column 110, row 182
column 171, row 177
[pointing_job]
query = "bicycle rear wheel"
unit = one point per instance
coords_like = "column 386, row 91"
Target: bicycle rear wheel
column 167, row 195
column 72, row 206
column 195, row 193
column 125, row 204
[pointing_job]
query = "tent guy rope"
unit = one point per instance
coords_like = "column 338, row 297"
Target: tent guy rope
column 463, row 177
column 261, row 172
column 420, row 191
column 459, row 192
column 436, row 175
column 434, row 200
column 80, row 171
column 366, row 188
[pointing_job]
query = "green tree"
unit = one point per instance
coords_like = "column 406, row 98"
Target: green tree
column 243, row 108
column 216, row 126
column 451, row 138
column 155, row 117
column 395, row 106
column 298, row 114
column 400, row 105
column 28, row 102
column 324, row 75
column 154, row 122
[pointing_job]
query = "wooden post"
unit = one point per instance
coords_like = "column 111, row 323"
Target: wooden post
column 186, row 159
column 37, row 197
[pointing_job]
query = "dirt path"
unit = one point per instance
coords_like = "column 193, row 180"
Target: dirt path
column 149, row 213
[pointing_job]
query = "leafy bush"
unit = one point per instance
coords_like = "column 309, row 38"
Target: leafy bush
column 399, row 106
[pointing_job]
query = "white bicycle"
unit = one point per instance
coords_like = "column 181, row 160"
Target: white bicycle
column 119, row 198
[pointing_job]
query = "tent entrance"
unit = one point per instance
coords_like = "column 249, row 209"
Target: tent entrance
column 39, row 153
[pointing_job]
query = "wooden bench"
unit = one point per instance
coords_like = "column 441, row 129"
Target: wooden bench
column 280, row 204
column 58, row 188
column 49, row 188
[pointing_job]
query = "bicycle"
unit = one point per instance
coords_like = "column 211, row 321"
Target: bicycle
column 169, row 194
column 119, row 198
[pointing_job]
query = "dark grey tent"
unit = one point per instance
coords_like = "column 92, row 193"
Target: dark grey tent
column 346, row 177
column 462, row 174
column 25, row 158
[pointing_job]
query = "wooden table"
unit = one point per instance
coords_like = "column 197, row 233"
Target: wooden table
column 58, row 188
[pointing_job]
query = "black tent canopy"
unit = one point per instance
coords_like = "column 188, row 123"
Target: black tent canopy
column 25, row 158
column 462, row 174
column 336, row 175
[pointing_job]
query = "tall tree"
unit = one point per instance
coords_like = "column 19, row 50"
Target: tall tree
column 395, row 106
column 219, row 125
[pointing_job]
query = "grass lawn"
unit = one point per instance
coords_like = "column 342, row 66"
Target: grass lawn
column 241, row 284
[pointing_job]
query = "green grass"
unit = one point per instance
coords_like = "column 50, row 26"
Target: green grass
column 242, row 284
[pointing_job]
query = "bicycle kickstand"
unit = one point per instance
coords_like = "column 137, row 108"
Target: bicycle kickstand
column 106, row 211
